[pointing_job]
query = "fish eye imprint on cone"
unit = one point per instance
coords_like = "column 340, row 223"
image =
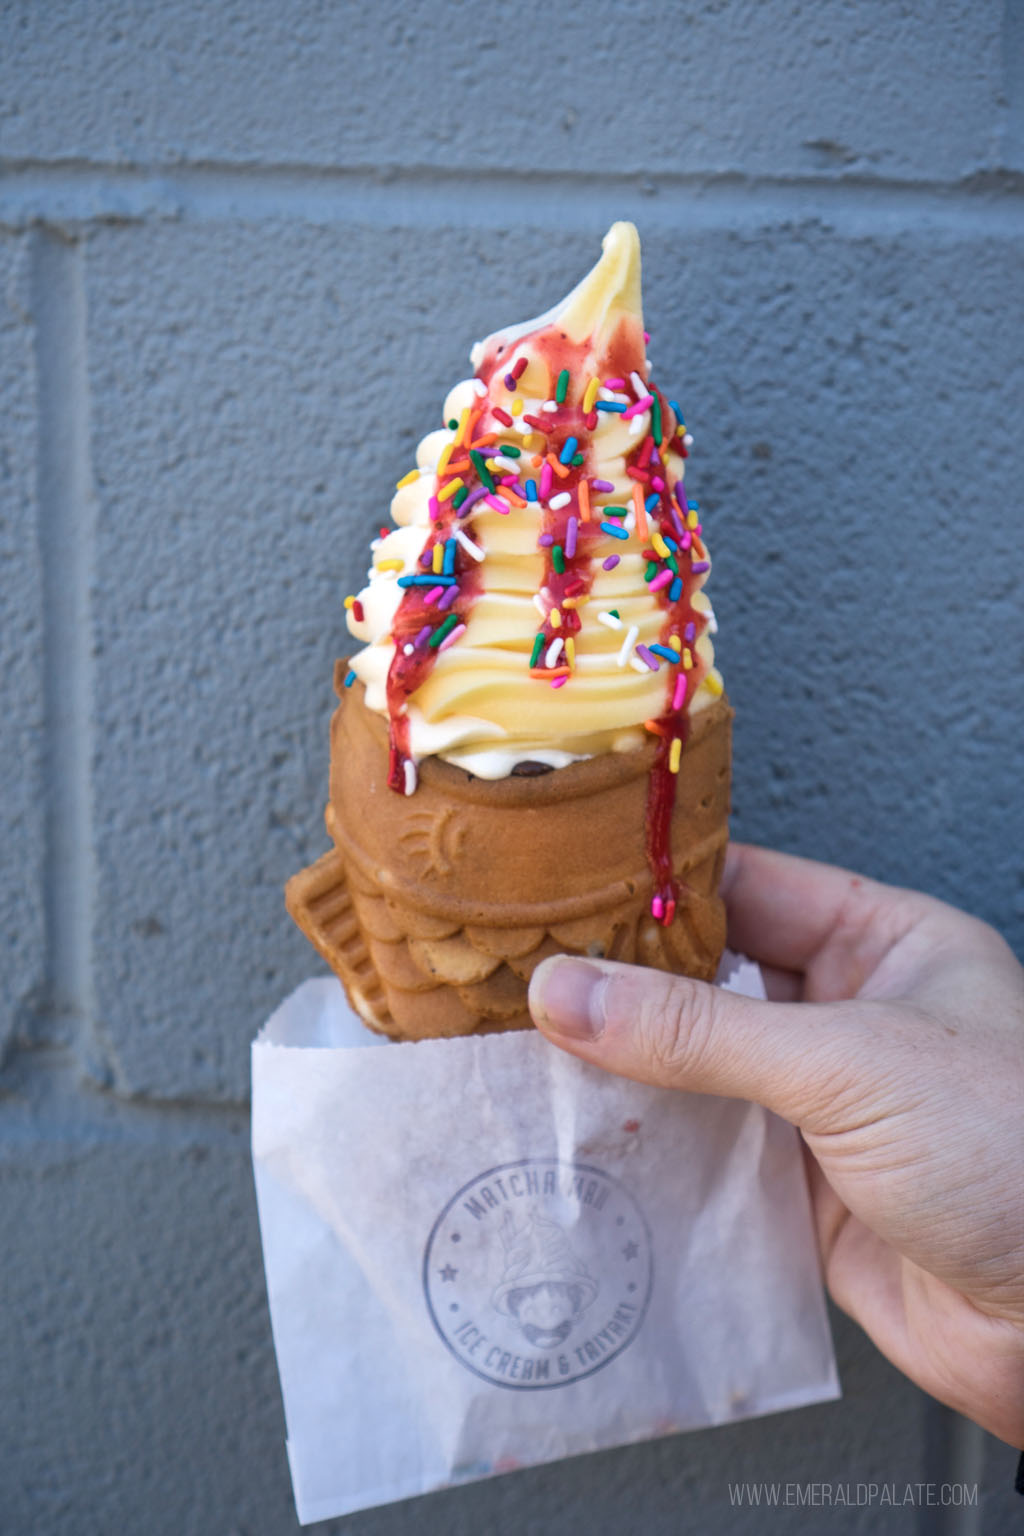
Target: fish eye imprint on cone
column 539, row 602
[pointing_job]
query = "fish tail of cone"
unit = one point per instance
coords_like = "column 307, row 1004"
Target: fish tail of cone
column 427, row 946
column 319, row 901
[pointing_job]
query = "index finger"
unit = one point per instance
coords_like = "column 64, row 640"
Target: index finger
column 783, row 909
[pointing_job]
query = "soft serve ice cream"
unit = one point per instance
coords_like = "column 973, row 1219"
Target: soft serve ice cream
column 540, row 601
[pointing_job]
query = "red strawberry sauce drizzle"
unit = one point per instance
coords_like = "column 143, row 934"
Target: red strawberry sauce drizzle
column 568, row 571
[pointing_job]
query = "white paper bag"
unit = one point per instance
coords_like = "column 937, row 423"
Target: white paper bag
column 483, row 1254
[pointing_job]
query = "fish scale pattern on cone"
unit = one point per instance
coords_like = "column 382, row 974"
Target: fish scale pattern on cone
column 407, row 907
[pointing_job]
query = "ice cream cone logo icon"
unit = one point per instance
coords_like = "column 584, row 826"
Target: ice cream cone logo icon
column 546, row 1287
column 538, row 1272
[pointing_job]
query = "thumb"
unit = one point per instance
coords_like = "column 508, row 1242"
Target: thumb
column 809, row 1063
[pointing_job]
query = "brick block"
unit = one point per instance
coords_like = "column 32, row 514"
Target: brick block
column 138, row 1384
column 631, row 88
column 860, row 474
column 256, row 391
column 22, row 741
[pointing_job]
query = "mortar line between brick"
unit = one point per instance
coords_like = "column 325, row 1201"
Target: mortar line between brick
column 74, row 191
column 954, row 1454
column 67, row 528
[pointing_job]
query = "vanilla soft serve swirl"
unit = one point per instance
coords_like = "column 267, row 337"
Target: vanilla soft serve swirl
column 486, row 702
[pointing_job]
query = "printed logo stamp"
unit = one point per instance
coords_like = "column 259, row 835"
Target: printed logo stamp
column 538, row 1273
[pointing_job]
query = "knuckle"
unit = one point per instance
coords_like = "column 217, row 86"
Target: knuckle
column 674, row 1026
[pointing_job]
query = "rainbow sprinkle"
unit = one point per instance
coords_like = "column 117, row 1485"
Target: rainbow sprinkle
column 472, row 550
column 442, row 630
column 452, row 636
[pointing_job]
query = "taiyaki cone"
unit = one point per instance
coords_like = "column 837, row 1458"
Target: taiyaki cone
column 435, row 908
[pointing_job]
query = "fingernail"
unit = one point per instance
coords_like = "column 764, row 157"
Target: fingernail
column 565, row 997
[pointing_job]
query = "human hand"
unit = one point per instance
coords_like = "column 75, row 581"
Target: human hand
column 895, row 1042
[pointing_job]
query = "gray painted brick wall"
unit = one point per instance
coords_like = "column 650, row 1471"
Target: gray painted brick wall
column 226, row 234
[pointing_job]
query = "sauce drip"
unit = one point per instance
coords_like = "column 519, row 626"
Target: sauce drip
column 558, row 465
column 423, row 623
column 682, row 626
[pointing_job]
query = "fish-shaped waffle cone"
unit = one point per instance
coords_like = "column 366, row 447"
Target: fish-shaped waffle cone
column 435, row 908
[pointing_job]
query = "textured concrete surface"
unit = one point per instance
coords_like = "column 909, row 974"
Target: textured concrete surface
column 226, row 234
column 902, row 91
